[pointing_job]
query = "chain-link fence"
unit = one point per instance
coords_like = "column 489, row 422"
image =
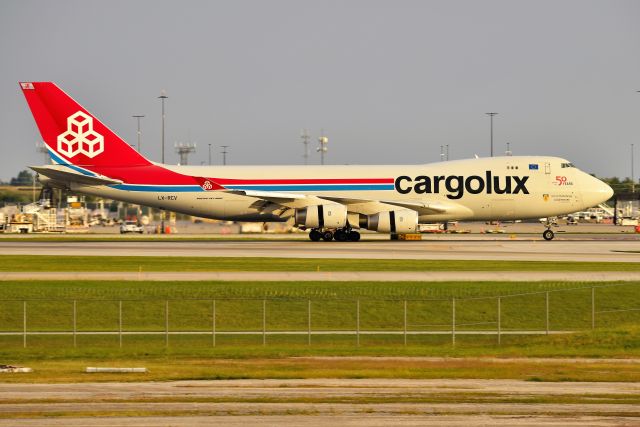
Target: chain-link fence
column 264, row 319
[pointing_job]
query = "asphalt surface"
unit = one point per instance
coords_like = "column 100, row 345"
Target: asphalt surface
column 351, row 402
column 615, row 248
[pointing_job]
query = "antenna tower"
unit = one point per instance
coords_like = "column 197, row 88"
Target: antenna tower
column 184, row 150
column 322, row 149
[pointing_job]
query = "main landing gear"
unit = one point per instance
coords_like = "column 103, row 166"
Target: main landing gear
column 341, row 235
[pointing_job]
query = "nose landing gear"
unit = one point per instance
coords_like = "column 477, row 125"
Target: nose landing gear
column 548, row 234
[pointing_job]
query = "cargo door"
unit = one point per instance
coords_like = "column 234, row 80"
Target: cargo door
column 503, row 209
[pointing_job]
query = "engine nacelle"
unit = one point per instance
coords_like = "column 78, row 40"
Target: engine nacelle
column 396, row 221
column 328, row 215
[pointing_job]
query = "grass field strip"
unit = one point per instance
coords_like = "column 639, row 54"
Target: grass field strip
column 78, row 263
column 558, row 311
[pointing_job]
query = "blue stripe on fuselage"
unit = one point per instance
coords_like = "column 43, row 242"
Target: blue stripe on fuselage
column 287, row 187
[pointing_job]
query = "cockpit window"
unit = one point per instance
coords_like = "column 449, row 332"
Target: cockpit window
column 567, row 165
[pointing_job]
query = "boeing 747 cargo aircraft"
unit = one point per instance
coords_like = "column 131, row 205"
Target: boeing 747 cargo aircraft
column 332, row 202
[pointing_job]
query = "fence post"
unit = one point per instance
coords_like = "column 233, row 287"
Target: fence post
column 24, row 324
column 309, row 322
column 120, row 322
column 405, row 322
column 358, row 323
column 547, row 312
column 166, row 323
column 213, row 321
column 264, row 322
column 593, row 307
column 499, row 321
column 74, row 323
column 453, row 321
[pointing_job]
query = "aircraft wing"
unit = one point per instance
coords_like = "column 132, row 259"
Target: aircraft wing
column 354, row 205
column 421, row 207
column 65, row 174
column 270, row 196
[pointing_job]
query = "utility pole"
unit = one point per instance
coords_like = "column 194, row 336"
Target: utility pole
column 224, row 154
column 209, row 154
column 491, row 119
column 304, row 135
column 163, row 96
column 138, row 117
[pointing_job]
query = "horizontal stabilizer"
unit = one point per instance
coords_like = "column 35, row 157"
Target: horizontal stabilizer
column 64, row 174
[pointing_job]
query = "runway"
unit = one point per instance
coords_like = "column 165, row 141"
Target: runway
column 616, row 248
column 352, row 402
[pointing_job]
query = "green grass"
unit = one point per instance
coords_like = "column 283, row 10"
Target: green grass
column 333, row 307
column 186, row 264
column 190, row 360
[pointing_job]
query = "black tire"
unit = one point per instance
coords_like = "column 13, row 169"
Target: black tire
column 548, row 235
column 315, row 235
column 354, row 236
column 340, row 236
column 327, row 236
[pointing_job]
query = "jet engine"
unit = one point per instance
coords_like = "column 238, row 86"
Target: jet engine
column 328, row 215
column 396, row 221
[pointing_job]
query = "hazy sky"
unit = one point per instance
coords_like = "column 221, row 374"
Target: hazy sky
column 389, row 81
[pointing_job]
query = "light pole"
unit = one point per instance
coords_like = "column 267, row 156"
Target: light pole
column 138, row 117
column 633, row 178
column 491, row 119
column 163, row 96
column 224, row 154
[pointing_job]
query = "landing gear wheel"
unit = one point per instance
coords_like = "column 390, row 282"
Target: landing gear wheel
column 340, row 235
column 327, row 236
column 548, row 235
column 315, row 235
column 353, row 236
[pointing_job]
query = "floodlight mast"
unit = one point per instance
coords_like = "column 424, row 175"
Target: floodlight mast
column 491, row 119
column 163, row 96
column 224, row 154
column 138, row 117
column 304, row 135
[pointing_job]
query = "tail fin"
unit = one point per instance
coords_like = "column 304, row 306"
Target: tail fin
column 72, row 134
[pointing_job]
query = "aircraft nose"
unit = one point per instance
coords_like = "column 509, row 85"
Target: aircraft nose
column 596, row 192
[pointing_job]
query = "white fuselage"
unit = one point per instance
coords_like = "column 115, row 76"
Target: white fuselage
column 553, row 187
